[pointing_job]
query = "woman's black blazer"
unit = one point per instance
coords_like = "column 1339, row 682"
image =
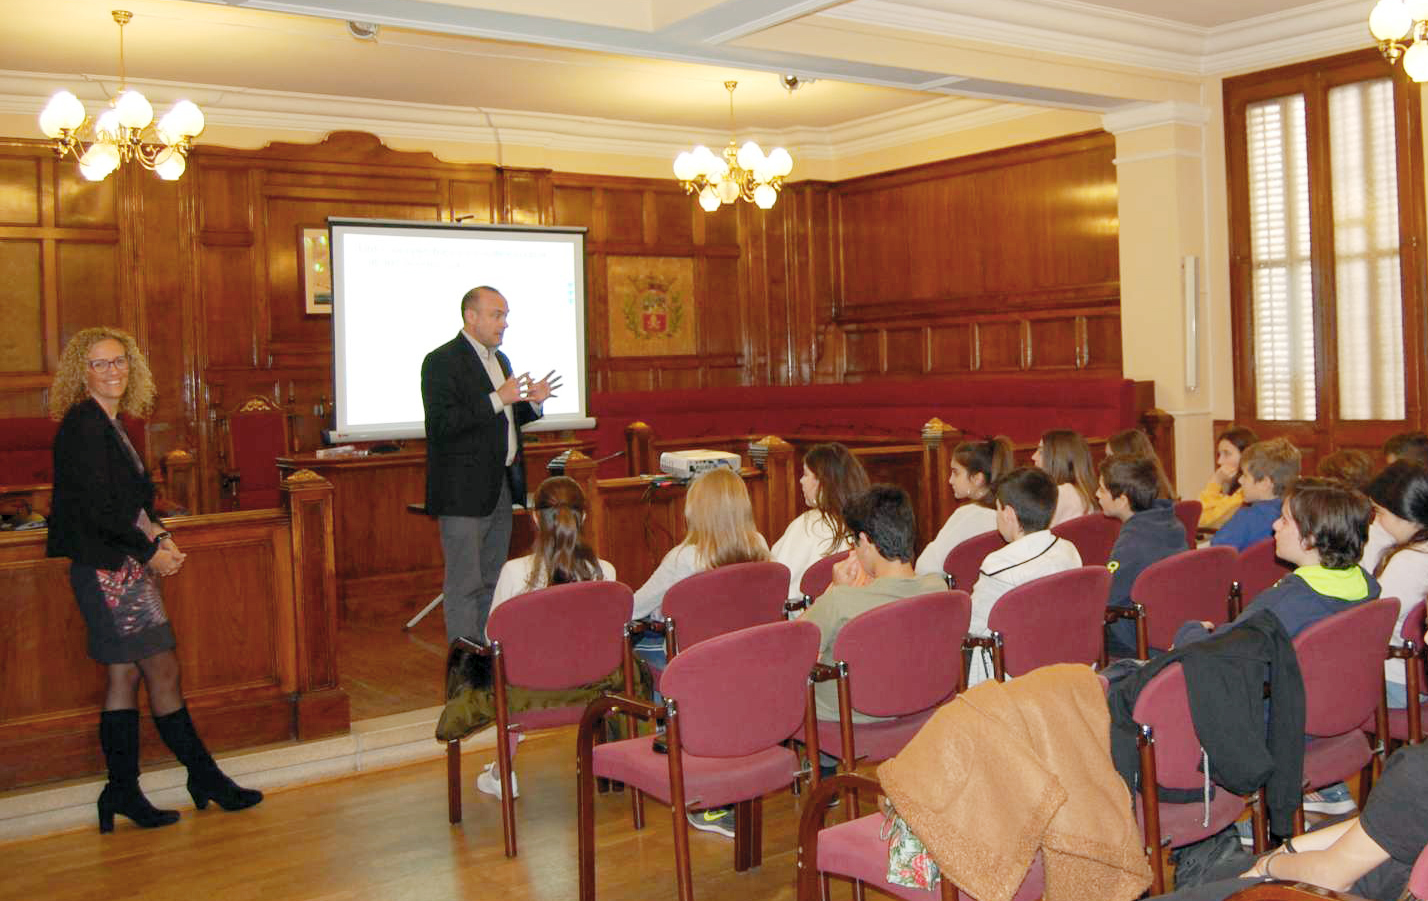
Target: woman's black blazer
column 98, row 493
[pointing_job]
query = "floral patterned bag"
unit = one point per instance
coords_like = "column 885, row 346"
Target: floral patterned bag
column 909, row 864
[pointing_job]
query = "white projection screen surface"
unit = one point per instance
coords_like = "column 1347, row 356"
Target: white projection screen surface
column 397, row 289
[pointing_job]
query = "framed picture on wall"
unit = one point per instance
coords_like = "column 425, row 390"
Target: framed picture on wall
column 317, row 271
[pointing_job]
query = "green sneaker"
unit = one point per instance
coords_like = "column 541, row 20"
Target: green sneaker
column 718, row 819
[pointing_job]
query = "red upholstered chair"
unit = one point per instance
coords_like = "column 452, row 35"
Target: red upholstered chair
column 964, row 562
column 1188, row 586
column 893, row 661
column 565, row 636
column 817, row 578
column 718, row 601
column 1407, row 724
column 1341, row 658
column 1170, row 758
column 854, row 850
column 256, row 433
column 1093, row 534
column 1055, row 619
column 730, row 704
column 1256, row 568
column 1188, row 512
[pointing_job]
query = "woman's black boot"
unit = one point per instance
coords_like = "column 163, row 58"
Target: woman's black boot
column 119, row 737
column 206, row 782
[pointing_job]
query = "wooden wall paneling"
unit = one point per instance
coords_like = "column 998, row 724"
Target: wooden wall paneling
column 19, row 188
column 89, row 286
column 323, row 708
column 22, row 307
column 229, row 318
column 574, row 205
column 527, row 196
column 80, row 203
column 164, row 307
column 1103, row 340
column 1000, row 346
column 755, row 277
column 624, row 215
column 1053, row 343
column 809, row 237
column 950, row 348
column 670, row 215
column 863, row 353
column 473, row 199
column 904, row 351
column 723, row 324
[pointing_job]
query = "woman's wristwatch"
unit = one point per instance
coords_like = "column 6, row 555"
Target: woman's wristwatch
column 159, row 538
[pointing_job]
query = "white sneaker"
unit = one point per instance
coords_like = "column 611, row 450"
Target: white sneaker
column 489, row 781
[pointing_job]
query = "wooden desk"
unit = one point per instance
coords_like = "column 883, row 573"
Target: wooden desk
column 389, row 560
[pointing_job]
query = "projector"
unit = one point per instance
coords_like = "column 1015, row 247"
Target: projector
column 690, row 463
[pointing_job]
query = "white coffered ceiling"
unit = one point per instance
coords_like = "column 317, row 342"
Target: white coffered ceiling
column 878, row 64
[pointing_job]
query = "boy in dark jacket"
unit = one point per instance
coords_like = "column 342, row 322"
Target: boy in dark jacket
column 1267, row 469
column 1150, row 531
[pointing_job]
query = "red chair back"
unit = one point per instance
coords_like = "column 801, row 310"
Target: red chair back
column 1190, row 585
column 565, row 635
column 1257, row 568
column 1055, row 619
column 257, row 436
column 1188, row 512
column 1418, row 879
column 1164, row 705
column 817, row 577
column 964, row 562
column 726, row 599
column 1341, row 658
column 1093, row 534
column 901, row 656
column 745, row 691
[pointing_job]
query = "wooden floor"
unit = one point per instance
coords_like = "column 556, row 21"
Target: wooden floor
column 386, row 670
column 384, row 835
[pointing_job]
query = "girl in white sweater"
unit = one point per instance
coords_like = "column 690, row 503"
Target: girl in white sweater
column 1397, row 551
column 831, row 477
column 975, row 468
column 1066, row 457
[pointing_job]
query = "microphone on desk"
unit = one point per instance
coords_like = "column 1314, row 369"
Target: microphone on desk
column 556, row 466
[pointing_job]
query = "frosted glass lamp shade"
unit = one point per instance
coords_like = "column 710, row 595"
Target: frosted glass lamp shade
column 751, row 155
column 708, row 199
column 764, row 197
column 170, row 165
column 187, row 118
column 1417, row 9
column 685, row 168
column 1390, row 20
column 780, row 163
column 98, row 161
column 64, row 112
column 728, row 190
column 1415, row 61
column 134, row 110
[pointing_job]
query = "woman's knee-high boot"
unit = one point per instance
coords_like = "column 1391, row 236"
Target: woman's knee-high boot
column 119, row 737
column 205, row 780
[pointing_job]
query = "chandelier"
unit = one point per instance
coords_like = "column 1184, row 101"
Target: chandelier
column 1393, row 21
column 124, row 131
column 739, row 172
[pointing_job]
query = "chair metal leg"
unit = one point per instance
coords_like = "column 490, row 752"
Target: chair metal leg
column 453, row 781
column 585, row 807
column 1260, row 824
column 1299, row 820
column 742, row 852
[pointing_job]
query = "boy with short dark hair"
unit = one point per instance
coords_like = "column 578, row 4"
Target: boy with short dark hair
column 1150, row 532
column 1267, row 469
column 1025, row 502
column 1407, row 446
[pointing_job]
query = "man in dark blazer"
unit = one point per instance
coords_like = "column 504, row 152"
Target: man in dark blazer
column 474, row 410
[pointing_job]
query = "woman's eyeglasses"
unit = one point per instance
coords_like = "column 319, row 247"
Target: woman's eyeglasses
column 120, row 364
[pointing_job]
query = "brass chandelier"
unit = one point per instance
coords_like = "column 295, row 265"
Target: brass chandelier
column 736, row 173
column 124, row 131
column 1393, row 22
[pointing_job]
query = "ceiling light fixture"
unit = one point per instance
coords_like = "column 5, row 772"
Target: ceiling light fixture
column 123, row 132
column 1393, row 21
column 739, row 172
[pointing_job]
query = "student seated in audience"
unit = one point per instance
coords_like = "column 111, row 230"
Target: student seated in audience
column 1370, row 855
column 877, row 571
column 831, row 477
column 1135, row 443
column 1351, row 466
column 1066, row 457
column 560, row 550
column 1025, row 500
column 1267, row 468
column 1321, row 531
column 1150, row 531
column 1222, row 497
column 1411, row 446
column 721, row 531
column 975, row 468
column 560, row 553
column 1397, row 552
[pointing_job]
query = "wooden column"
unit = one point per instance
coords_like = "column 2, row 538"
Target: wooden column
column 775, row 457
column 938, row 439
column 639, row 449
column 582, row 469
column 321, row 706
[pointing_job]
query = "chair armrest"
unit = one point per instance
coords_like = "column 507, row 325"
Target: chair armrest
column 792, row 606
column 637, row 627
column 1406, row 651
column 823, row 672
column 951, row 581
column 993, row 645
column 1289, row 891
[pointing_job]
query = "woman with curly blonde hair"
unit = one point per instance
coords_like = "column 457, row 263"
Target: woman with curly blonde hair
column 103, row 518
